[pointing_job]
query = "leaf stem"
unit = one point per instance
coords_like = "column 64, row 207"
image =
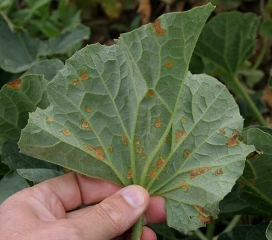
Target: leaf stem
column 200, row 235
column 232, row 223
column 262, row 53
column 249, row 101
column 210, row 230
column 137, row 229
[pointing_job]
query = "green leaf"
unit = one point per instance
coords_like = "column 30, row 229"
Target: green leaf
column 16, row 160
column 131, row 113
column 18, row 51
column 17, row 99
column 252, row 76
column 11, row 184
column 4, row 169
column 252, row 194
column 68, row 40
column 257, row 177
column 226, row 42
column 257, row 232
column 48, row 68
column 268, row 232
column 30, row 168
column 246, row 232
column 38, row 175
column 238, row 233
column 266, row 28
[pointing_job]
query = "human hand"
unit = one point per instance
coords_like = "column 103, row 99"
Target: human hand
column 46, row 211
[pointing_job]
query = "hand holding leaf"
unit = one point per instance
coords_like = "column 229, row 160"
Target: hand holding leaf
column 131, row 113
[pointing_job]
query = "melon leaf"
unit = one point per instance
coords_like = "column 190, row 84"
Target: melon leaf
column 131, row 113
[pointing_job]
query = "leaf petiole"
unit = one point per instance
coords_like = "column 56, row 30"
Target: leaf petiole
column 138, row 229
column 249, row 101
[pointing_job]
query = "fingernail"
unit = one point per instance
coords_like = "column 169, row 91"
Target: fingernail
column 133, row 196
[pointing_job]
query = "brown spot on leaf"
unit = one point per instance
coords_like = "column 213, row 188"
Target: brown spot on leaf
column 150, row 93
column 152, row 173
column 184, row 120
column 164, row 169
column 160, row 162
column 139, row 150
column 129, row 174
column 241, row 184
column 203, row 215
column 199, row 171
column 85, row 125
column 205, row 220
column 158, row 123
column 232, row 141
column 218, row 171
column 222, row 131
column 143, row 156
column 88, row 147
column 84, row 75
column 251, row 181
column 99, row 153
column 66, row 132
column 184, row 185
column 252, row 155
column 201, row 210
column 66, row 170
column 159, row 178
column 169, row 64
column 48, row 119
column 124, row 140
column 75, row 82
column 180, row 134
column 137, row 142
column 166, row 139
column 88, row 109
column 187, row 153
column 111, row 148
column 15, row 84
column 158, row 28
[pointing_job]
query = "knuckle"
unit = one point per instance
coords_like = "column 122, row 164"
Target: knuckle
column 113, row 216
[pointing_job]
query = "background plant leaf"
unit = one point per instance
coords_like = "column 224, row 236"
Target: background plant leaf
column 132, row 113
column 226, row 42
column 246, row 232
column 18, row 51
column 68, row 40
column 11, row 184
column 48, row 68
column 253, row 192
column 17, row 99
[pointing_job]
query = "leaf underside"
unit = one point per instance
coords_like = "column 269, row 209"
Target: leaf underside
column 131, row 113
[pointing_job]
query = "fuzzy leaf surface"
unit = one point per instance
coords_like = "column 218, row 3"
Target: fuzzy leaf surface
column 131, row 113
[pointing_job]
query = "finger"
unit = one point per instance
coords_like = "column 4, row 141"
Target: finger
column 94, row 190
column 148, row 234
column 114, row 215
column 73, row 190
column 156, row 211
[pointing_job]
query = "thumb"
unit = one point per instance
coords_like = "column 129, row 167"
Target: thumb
column 115, row 214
